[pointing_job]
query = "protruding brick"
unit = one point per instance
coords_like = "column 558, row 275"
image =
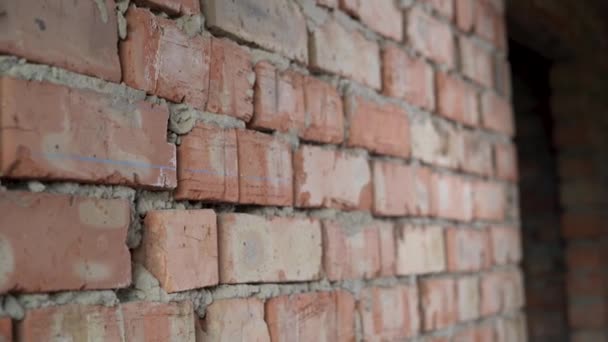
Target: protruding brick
column 506, row 161
column 467, row 291
column 265, row 173
column 467, row 249
column 382, row 16
column 451, row 197
column 420, row 250
column 489, row 201
column 162, row 60
column 457, row 100
column 6, row 329
column 318, row 316
column 506, row 245
column 348, row 53
column 401, row 189
column 465, row 14
column 256, row 249
column 389, row 314
column 324, row 112
column 477, row 63
column 79, row 244
column 326, row 178
column 50, row 138
column 439, row 303
column 238, row 319
column 37, row 30
column 408, row 78
column 275, row 25
column 501, row 291
column 188, row 7
column 382, row 128
column 477, row 155
column 431, row 37
column 436, row 141
column 207, row 167
column 497, row 113
column 179, row 248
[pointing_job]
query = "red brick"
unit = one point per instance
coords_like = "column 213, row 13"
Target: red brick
column 238, row 319
column 401, row 189
column 586, row 283
column 583, row 225
column 318, row 316
column 207, row 167
column 380, row 128
column 6, row 329
column 436, row 141
column 37, row 30
column 388, row 255
column 389, row 314
column 258, row 249
column 345, row 52
column 326, row 178
column 512, row 329
column 231, row 79
column 135, row 321
column 439, row 303
column 465, row 14
column 173, row 6
column 451, row 197
column 477, row 156
column 467, row 249
column 445, row 8
column 587, row 314
column 324, row 112
column 489, row 23
column 506, row 245
column 431, row 37
column 479, row 333
column 179, row 248
column 489, row 200
column 501, row 291
column 162, row 60
column 497, row 114
column 457, row 100
column 80, row 243
column 420, row 250
column 274, row 25
column 264, row 169
column 506, row 161
column 382, row 16
column 408, row 78
column 585, row 256
column 467, row 292
column 50, row 138
column 477, row 62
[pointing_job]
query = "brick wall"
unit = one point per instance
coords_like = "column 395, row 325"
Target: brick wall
column 277, row 170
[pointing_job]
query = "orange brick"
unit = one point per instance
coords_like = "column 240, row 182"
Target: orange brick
column 451, row 197
column 207, row 165
column 324, row 112
column 506, row 245
column 382, row 16
column 420, row 250
column 431, row 37
column 467, row 292
column 326, row 178
column 264, row 169
column 53, row 139
column 318, row 316
column 439, row 303
column 489, row 201
column 380, row 128
column 80, row 244
column 173, row 6
column 477, row 62
column 6, row 329
column 401, row 189
column 238, row 319
column 179, row 248
column 389, row 313
column 477, row 156
column 497, row 113
column 506, row 161
column 37, row 30
column 162, row 60
column 501, row 291
column 257, row 249
column 230, row 80
column 467, row 249
column 457, row 100
column 408, row 78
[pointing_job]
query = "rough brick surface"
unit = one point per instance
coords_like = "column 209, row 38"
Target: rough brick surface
column 256, row 249
column 477, row 63
column 275, row 24
column 173, row 6
column 477, row 154
column 506, row 161
column 451, row 197
column 317, row 316
column 439, row 303
column 179, row 248
column 467, row 249
column 382, row 16
column 326, row 178
column 489, row 200
column 346, row 52
column 506, row 245
column 445, row 8
column 207, row 167
column 238, row 319
column 88, row 236
column 382, row 128
column 50, row 138
column 465, row 14
column 497, row 113
column 389, row 313
column 408, row 78
column 467, row 291
column 145, row 321
column 501, row 291
column 324, row 120
column 431, row 37
column 457, row 100
column 36, row 30
column 265, row 172
column 420, row 250
column 6, row 329
column 401, row 189
column 436, row 142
